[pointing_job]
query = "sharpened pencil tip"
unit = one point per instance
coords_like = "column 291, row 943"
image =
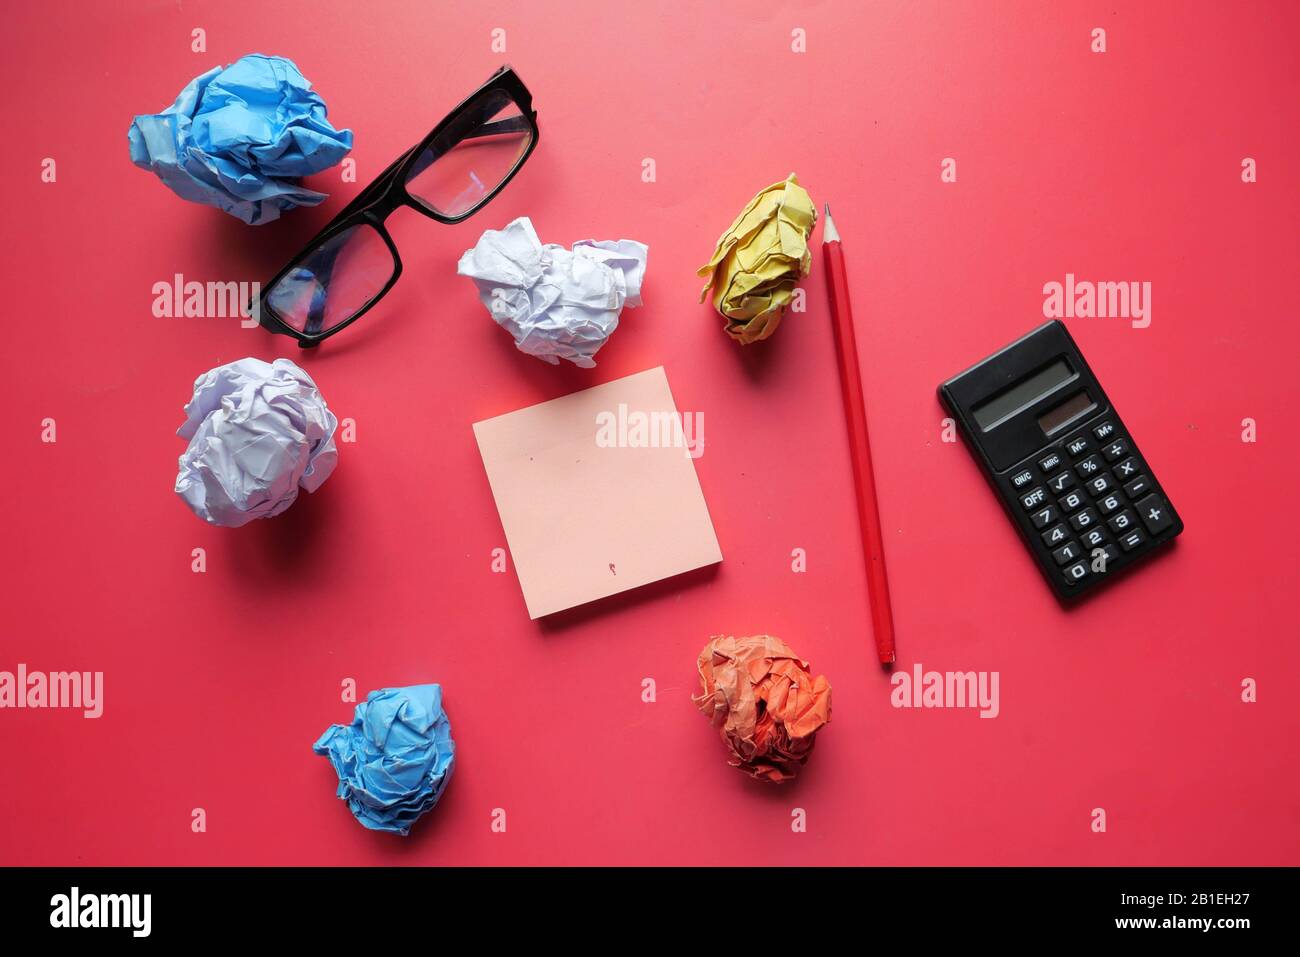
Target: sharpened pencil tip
column 829, row 233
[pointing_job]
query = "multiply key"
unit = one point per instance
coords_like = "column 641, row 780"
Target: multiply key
column 1127, row 469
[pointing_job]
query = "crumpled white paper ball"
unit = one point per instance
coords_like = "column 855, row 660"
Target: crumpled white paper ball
column 557, row 303
column 257, row 432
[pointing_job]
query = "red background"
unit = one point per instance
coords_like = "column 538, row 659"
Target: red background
column 1116, row 166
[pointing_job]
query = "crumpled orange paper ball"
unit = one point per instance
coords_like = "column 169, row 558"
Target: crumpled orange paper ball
column 764, row 702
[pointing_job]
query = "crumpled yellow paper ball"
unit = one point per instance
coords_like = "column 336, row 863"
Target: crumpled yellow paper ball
column 760, row 259
column 765, row 703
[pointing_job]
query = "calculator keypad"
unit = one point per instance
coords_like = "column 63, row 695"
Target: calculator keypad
column 1092, row 501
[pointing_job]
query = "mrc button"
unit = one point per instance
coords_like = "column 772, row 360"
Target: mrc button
column 1049, row 462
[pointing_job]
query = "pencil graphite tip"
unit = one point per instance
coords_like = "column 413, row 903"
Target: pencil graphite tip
column 829, row 233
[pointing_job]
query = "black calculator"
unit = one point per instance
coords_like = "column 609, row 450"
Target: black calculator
column 1068, row 472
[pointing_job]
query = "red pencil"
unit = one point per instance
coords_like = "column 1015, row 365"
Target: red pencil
column 855, row 411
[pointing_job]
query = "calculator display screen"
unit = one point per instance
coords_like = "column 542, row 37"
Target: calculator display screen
column 1022, row 394
column 1065, row 413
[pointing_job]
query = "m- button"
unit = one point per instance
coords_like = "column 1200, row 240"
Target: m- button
column 1077, row 446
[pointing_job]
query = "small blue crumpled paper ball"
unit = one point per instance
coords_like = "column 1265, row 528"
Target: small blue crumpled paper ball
column 236, row 138
column 394, row 760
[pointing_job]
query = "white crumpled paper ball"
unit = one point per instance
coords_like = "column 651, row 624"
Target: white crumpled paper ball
column 557, row 303
column 257, row 431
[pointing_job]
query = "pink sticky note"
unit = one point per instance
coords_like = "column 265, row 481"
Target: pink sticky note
column 597, row 491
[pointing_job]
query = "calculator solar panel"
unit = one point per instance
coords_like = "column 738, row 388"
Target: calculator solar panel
column 1069, row 473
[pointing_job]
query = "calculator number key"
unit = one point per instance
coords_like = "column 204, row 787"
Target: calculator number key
column 1067, row 553
column 1122, row 523
column 1055, row 535
column 1093, row 538
column 1076, row 572
column 1100, row 485
column 1110, row 504
column 1089, row 467
column 1046, row 516
column 1085, row 519
column 1060, row 482
column 1071, row 501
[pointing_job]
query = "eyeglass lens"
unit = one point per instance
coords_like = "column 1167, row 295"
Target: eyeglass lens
column 472, row 156
column 333, row 282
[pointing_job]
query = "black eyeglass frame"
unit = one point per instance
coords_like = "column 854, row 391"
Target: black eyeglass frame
column 374, row 204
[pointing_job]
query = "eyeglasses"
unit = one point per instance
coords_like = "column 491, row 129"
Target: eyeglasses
column 448, row 176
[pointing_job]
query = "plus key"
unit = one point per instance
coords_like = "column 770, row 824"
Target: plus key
column 1155, row 514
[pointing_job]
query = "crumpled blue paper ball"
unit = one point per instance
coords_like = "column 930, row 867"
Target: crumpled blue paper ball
column 394, row 760
column 236, row 138
column 258, row 431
